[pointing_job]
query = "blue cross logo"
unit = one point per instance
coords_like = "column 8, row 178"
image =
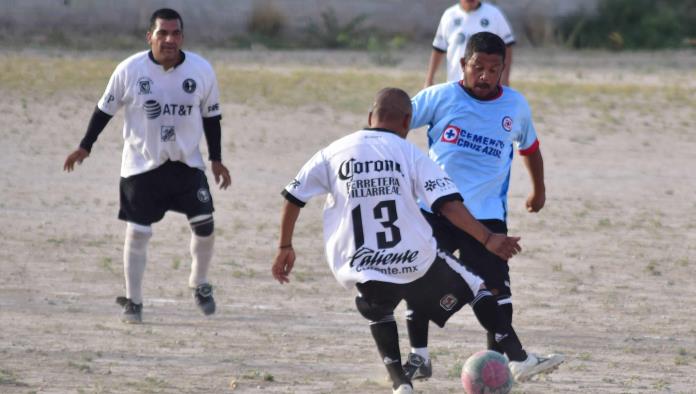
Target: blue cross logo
column 450, row 134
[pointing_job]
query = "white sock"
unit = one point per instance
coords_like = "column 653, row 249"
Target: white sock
column 134, row 259
column 201, row 255
column 421, row 351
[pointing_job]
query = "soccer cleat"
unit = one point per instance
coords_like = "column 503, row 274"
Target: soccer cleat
column 416, row 367
column 203, row 294
column 534, row 365
column 403, row 389
column 132, row 313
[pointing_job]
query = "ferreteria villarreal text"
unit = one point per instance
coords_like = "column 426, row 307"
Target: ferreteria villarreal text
column 389, row 263
column 375, row 185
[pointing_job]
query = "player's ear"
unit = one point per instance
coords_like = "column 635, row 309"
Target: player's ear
column 407, row 122
column 369, row 119
column 148, row 37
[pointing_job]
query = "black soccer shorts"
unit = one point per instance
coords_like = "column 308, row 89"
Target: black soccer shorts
column 173, row 186
column 437, row 295
column 494, row 270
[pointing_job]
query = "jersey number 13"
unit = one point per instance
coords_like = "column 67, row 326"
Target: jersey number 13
column 385, row 213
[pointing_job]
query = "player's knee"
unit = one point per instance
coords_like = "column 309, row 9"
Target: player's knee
column 373, row 312
column 138, row 232
column 202, row 225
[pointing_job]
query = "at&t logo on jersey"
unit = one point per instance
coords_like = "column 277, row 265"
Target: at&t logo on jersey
column 153, row 109
column 451, row 134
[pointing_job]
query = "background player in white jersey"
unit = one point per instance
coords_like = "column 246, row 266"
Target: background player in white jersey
column 378, row 241
column 457, row 24
column 475, row 125
column 171, row 100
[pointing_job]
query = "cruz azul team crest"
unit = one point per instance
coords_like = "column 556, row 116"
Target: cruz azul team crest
column 451, row 134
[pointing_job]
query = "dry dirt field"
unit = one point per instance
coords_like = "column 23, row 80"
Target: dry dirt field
column 606, row 276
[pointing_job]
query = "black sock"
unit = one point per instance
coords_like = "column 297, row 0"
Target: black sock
column 417, row 325
column 490, row 336
column 494, row 320
column 386, row 337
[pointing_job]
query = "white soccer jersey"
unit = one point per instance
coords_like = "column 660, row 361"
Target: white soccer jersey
column 163, row 110
column 474, row 140
column 457, row 25
column 373, row 227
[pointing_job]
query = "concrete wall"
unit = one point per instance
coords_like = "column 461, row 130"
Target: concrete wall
column 215, row 20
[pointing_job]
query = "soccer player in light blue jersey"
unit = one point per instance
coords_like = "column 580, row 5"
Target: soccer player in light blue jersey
column 475, row 125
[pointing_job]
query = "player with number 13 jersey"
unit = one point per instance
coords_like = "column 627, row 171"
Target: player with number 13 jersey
column 375, row 175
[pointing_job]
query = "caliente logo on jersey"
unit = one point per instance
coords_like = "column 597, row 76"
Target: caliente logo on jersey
column 451, row 134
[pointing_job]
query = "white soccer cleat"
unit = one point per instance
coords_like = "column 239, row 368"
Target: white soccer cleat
column 403, row 389
column 534, row 365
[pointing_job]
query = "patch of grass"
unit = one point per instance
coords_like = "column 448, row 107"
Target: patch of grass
column 176, row 263
column 258, row 375
column 455, row 371
column 80, row 367
column 652, row 268
column 9, row 378
column 107, row 264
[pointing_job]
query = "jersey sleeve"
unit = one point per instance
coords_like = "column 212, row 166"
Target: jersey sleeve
column 432, row 185
column 503, row 29
column 423, row 108
column 312, row 180
column 210, row 105
column 440, row 40
column 526, row 138
column 112, row 99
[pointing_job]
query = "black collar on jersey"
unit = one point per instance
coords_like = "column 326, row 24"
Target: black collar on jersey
column 380, row 129
column 181, row 59
column 470, row 93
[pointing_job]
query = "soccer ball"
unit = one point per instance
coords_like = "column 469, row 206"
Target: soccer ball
column 486, row 372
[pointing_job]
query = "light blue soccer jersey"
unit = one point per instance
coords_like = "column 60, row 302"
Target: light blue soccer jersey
column 474, row 140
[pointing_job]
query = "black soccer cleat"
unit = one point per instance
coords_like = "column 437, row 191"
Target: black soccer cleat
column 132, row 313
column 203, row 294
column 417, row 368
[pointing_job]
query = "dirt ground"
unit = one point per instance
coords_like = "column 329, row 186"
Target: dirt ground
column 606, row 276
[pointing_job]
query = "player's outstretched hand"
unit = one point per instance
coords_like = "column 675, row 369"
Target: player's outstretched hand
column 283, row 263
column 222, row 175
column 503, row 246
column 75, row 157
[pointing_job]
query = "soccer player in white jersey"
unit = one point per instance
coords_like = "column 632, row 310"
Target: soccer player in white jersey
column 170, row 98
column 457, row 25
column 474, row 127
column 377, row 240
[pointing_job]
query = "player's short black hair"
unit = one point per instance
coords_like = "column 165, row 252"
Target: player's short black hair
column 166, row 14
column 392, row 104
column 484, row 42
